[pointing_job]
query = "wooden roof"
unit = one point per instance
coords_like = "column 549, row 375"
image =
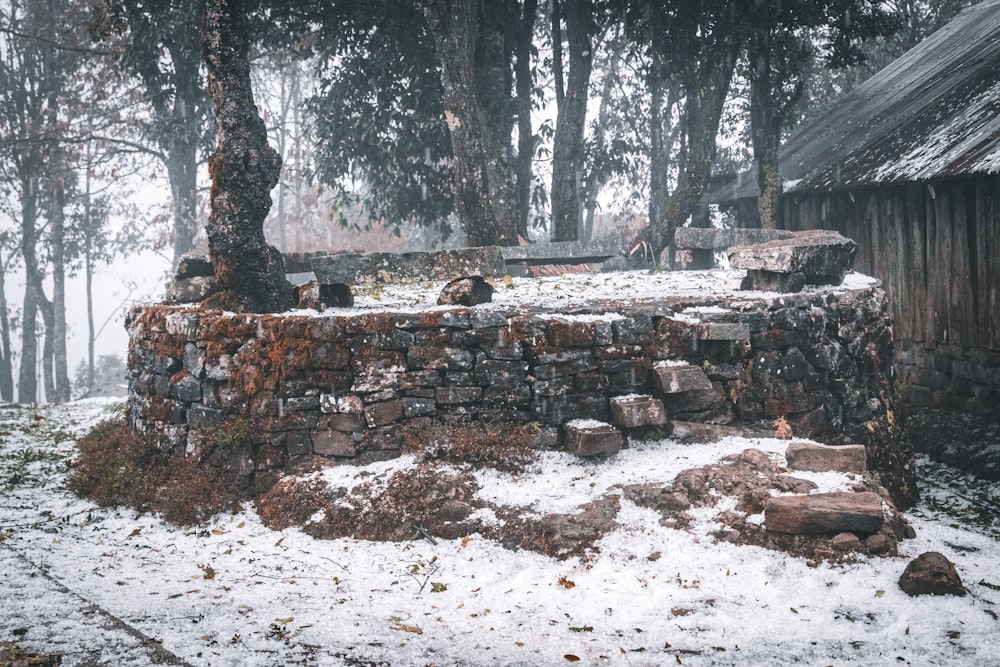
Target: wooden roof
column 932, row 113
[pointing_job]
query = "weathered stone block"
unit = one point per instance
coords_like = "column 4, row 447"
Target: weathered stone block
column 380, row 414
column 825, row 257
column 723, row 331
column 772, row 281
column 330, row 442
column 419, row 407
column 301, row 403
column 194, row 264
column 185, row 387
column 329, row 403
column 821, row 458
column 198, row 416
column 674, row 378
column 570, row 333
column 342, row 421
column 635, row 411
column 490, row 372
column 298, row 443
column 693, row 259
column 457, row 395
column 824, row 513
column 587, row 437
column 356, row 268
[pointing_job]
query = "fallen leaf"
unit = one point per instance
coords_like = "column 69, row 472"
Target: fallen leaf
column 572, row 658
column 409, row 628
column 208, row 570
column 466, row 540
column 566, row 583
column 284, row 621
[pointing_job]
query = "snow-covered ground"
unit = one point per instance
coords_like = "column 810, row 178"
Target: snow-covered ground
column 107, row 586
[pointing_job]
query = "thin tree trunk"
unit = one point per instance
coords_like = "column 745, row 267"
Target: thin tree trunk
column 48, row 347
column 484, row 194
column 597, row 178
column 244, row 169
column 568, row 147
column 557, row 54
column 525, row 138
column 6, row 363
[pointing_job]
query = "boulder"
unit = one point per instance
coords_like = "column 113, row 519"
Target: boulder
column 589, row 437
column 931, row 573
column 467, row 291
column 824, row 513
column 635, row 411
column 825, row 257
column 822, row 458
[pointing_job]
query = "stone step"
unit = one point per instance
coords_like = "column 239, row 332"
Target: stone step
column 824, row 513
column 815, row 457
column 590, row 437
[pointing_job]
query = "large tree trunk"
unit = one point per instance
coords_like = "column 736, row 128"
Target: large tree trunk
column 568, row 148
column 484, row 194
column 525, row 138
column 27, row 381
column 244, row 169
column 705, row 95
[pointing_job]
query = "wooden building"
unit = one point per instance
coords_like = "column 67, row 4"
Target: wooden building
column 908, row 165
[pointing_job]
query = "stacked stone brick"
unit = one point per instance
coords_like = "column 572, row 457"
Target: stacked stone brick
column 349, row 385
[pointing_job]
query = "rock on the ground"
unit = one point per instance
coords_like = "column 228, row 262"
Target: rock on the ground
column 587, row 437
column 824, row 513
column 931, row 573
column 814, row 457
column 467, row 291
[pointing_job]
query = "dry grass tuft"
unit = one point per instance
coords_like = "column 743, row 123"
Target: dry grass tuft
column 503, row 446
column 114, row 467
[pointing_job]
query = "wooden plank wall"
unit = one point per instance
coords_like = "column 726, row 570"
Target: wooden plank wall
column 936, row 248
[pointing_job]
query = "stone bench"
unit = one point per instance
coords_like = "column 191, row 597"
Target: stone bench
column 814, row 257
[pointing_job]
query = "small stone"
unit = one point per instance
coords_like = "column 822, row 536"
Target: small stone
column 931, row 573
column 333, row 443
column 190, row 290
column 381, row 414
column 814, row 457
column 845, row 541
column 468, row 291
column 586, row 437
column 329, row 403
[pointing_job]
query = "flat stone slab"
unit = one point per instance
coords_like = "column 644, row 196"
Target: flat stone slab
column 680, row 378
column 564, row 252
column 695, row 238
column 822, row 458
column 824, row 513
column 407, row 267
column 772, row 281
column 589, row 437
column 825, row 257
column 637, row 411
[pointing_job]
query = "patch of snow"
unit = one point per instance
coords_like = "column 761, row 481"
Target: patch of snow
column 650, row 596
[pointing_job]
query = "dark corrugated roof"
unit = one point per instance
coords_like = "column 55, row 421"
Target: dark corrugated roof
column 932, row 113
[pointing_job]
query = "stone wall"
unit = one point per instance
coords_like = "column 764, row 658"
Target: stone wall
column 949, row 376
column 347, row 384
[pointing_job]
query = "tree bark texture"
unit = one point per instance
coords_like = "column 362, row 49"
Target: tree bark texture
column 571, row 121
column 27, row 380
column 484, row 193
column 244, row 169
